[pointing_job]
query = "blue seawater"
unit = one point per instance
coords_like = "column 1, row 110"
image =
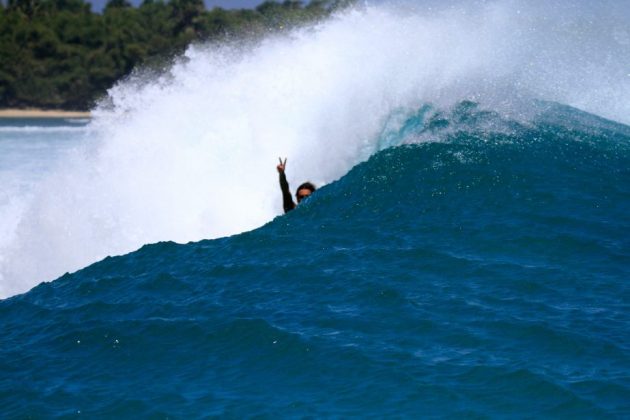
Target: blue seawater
column 480, row 274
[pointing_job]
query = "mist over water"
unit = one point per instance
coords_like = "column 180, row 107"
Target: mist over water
column 191, row 153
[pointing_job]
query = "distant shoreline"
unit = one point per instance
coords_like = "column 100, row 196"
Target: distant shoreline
column 42, row 113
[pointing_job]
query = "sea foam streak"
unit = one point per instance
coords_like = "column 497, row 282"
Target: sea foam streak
column 190, row 154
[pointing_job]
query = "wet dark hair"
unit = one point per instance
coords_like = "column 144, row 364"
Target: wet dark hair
column 305, row 186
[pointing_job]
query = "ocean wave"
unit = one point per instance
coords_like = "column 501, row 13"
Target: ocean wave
column 197, row 144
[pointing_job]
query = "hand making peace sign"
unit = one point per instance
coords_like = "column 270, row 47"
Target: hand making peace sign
column 282, row 165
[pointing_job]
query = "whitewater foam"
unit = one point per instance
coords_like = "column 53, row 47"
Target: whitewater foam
column 190, row 154
column 39, row 129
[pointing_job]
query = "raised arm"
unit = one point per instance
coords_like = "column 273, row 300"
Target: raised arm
column 287, row 200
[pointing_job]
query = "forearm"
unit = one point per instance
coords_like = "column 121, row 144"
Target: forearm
column 287, row 200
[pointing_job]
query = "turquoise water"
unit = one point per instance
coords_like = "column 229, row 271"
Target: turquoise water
column 27, row 151
column 479, row 272
column 30, row 149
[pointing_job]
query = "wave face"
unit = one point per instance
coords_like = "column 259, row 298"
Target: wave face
column 481, row 274
column 189, row 154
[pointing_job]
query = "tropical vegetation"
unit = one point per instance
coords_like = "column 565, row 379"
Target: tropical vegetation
column 60, row 54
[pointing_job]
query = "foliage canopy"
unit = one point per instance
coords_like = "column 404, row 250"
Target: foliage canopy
column 59, row 54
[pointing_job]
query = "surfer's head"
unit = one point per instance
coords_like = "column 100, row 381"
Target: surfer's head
column 304, row 191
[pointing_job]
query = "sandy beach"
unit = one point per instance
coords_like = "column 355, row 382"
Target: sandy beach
column 41, row 113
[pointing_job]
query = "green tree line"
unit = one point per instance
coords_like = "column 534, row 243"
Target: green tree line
column 59, row 54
